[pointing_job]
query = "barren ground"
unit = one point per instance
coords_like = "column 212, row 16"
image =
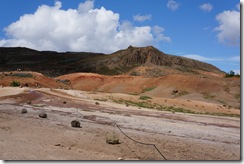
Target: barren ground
column 178, row 136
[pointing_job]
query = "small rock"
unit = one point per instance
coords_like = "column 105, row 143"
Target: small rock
column 120, row 158
column 97, row 103
column 75, row 124
column 112, row 139
column 23, row 111
column 43, row 115
column 58, row 145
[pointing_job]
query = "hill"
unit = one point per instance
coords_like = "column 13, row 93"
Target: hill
column 145, row 61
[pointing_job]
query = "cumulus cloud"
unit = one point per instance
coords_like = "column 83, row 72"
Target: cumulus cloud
column 83, row 29
column 86, row 6
column 172, row 5
column 141, row 18
column 158, row 33
column 206, row 7
column 229, row 27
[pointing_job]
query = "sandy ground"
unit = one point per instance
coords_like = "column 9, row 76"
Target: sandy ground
column 177, row 136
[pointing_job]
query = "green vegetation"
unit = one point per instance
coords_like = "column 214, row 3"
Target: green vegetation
column 222, row 114
column 149, row 89
column 207, row 95
column 144, row 97
column 66, row 81
column 172, row 109
column 104, row 100
column 237, row 96
column 26, row 75
column 134, row 73
column 112, row 71
column 231, row 74
column 15, row 84
column 149, row 105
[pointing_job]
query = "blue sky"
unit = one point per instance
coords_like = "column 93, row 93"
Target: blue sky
column 206, row 30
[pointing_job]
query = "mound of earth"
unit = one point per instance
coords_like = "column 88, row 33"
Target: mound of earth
column 218, row 90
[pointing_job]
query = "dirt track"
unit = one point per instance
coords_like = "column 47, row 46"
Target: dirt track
column 178, row 136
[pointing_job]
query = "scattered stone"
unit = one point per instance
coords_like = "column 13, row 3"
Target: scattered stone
column 43, row 115
column 175, row 91
column 112, row 139
column 23, row 111
column 97, row 103
column 64, row 102
column 75, row 124
column 120, row 158
column 29, row 102
column 58, row 145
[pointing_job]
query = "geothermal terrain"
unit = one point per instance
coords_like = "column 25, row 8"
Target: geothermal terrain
column 152, row 105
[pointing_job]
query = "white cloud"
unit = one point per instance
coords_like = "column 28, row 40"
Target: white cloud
column 158, row 32
column 206, row 7
column 82, row 29
column 235, row 58
column 229, row 27
column 86, row 6
column 172, row 5
column 208, row 59
column 142, row 18
column 201, row 58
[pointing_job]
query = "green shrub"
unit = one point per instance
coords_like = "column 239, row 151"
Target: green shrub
column 148, row 89
column 27, row 75
column 15, row 84
column 144, row 97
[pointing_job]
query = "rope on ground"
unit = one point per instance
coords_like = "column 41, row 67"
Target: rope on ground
column 141, row 142
column 135, row 140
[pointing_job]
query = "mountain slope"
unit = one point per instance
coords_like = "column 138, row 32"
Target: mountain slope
column 146, row 61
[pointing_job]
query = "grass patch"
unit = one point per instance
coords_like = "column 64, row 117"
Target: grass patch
column 144, row 97
column 133, row 103
column 223, row 114
column 237, row 96
column 182, row 93
column 25, row 75
column 207, row 95
column 172, row 109
column 149, row 89
column 144, row 104
column 104, row 100
column 15, row 84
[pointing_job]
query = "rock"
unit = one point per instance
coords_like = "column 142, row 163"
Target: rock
column 120, row 158
column 97, row 103
column 43, row 115
column 112, row 139
column 24, row 111
column 75, row 124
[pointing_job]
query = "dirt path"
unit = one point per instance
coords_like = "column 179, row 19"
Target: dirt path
column 178, row 136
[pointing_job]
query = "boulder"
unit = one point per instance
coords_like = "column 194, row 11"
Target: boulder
column 112, row 139
column 75, row 124
column 43, row 115
column 23, row 111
